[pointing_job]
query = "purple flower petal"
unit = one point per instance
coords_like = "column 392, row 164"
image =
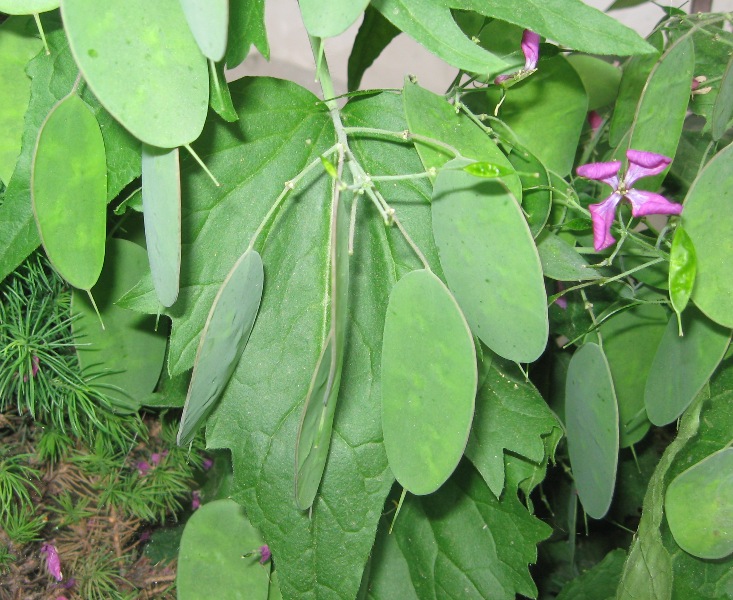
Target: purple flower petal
column 607, row 172
column 594, row 120
column 644, row 164
column 648, row 203
column 53, row 562
column 602, row 215
column 207, row 464
column 502, row 78
column 265, row 554
column 531, row 49
column 195, row 500
column 143, row 467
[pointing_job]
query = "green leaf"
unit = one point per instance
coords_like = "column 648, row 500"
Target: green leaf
column 536, row 187
column 68, row 191
column 723, row 107
column 511, row 419
column 625, row 4
column 18, row 45
column 210, row 558
column 600, row 79
column 708, row 486
column 487, row 170
column 434, row 550
column 431, row 116
column 660, row 112
column 428, row 357
column 553, row 140
column 374, row 35
column 134, row 202
column 599, row 582
column 635, row 74
column 490, row 262
column 630, row 341
column 708, row 219
column 246, row 27
column 27, row 7
column 124, row 360
column 52, row 76
column 209, row 21
column 599, row 33
column 332, row 18
column 682, row 269
column 143, row 64
column 431, row 24
column 223, row 340
column 682, row 365
column 316, row 425
column 162, row 212
column 560, row 260
column 591, row 419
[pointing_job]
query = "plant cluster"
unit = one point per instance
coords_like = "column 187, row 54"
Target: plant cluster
column 397, row 311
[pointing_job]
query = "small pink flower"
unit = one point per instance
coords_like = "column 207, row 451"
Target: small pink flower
column 531, row 50
column 207, row 464
column 594, row 120
column 34, row 368
column 53, row 563
column 265, row 554
column 641, row 164
column 195, row 500
column 156, row 457
column 562, row 301
column 143, row 467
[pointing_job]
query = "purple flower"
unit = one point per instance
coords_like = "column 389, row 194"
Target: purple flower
column 594, row 120
column 531, row 51
column 641, row 164
column 207, row 464
column 143, row 467
column 35, row 361
column 195, row 500
column 156, row 457
column 53, row 563
column 265, row 554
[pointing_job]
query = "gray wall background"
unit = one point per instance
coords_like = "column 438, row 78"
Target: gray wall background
column 290, row 54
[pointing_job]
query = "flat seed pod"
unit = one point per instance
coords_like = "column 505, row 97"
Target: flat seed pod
column 209, row 22
column 17, row 47
column 706, row 532
column 142, row 62
column 314, row 434
column 429, row 379
column 490, row 262
column 223, row 339
column 69, row 191
column 162, row 213
column 125, row 358
column 591, row 420
column 682, row 365
column 27, row 7
column 708, row 220
column 210, row 557
column 332, row 17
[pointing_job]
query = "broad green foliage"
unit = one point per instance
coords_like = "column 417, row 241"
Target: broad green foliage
column 591, row 419
column 52, row 77
column 682, row 269
column 428, row 382
column 246, row 27
column 708, row 218
column 434, row 550
column 630, row 342
column 127, row 339
column 141, row 61
column 209, row 22
column 220, row 99
column 18, row 45
column 332, row 17
column 682, row 365
column 600, row 79
column 511, row 419
column 68, row 191
column 374, row 35
column 723, row 108
column 708, row 486
column 497, row 282
column 599, row 582
column 223, row 340
column 161, row 197
column 560, row 261
column 210, row 558
column 554, row 140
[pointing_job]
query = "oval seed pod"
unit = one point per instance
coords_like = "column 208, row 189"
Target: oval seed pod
column 429, row 379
